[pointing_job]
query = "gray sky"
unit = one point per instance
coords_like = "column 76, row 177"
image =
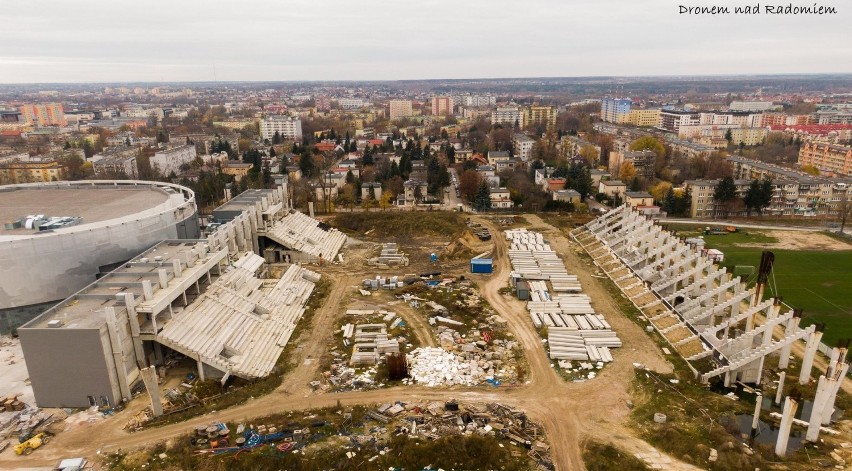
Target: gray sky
column 176, row 40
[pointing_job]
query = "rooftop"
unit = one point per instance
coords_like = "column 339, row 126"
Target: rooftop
column 86, row 308
column 92, row 203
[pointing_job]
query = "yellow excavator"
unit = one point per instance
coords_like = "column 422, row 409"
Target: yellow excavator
column 27, row 447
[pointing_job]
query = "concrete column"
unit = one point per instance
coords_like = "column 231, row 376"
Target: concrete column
column 200, row 369
column 784, row 359
column 835, row 382
column 756, row 418
column 832, row 362
column 311, row 208
column 790, row 406
column 133, row 320
column 158, row 353
column 780, row 387
column 147, row 290
column 817, row 410
column 154, row 322
column 117, row 353
column 185, row 302
column 149, row 377
column 177, row 268
column 163, row 277
column 808, row 360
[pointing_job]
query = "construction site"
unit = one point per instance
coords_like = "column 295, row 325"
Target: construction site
column 411, row 341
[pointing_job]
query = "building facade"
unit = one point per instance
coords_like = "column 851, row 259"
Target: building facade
column 538, row 115
column 828, row 158
column 644, row 117
column 522, row 146
column 400, row 109
column 442, row 105
column 672, row 120
column 171, row 160
column 615, row 110
column 508, row 115
column 46, row 114
column 31, row 171
column 287, row 127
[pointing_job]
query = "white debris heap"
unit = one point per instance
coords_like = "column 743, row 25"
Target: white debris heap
column 435, row 367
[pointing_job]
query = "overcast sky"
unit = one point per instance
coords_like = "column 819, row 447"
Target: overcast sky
column 184, row 40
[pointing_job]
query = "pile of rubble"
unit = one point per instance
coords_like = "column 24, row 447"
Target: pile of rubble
column 433, row 420
column 465, row 360
column 370, row 342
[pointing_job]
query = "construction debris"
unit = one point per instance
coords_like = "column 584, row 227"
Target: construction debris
column 390, row 256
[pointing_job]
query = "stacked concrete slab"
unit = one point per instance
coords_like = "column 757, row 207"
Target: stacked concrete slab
column 692, row 302
column 566, row 312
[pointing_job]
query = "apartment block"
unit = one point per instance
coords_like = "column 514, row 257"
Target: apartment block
column 400, row 109
column 442, row 105
column 615, row 110
column 289, row 128
column 31, row 171
column 508, row 115
column 46, row 114
column 644, row 117
column 828, row 158
column 544, row 116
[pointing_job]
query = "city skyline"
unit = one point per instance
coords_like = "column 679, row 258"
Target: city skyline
column 93, row 42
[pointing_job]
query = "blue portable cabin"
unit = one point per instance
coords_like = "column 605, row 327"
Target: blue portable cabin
column 481, row 265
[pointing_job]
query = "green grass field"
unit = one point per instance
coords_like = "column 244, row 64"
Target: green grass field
column 819, row 282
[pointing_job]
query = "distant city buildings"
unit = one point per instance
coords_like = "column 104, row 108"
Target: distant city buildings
column 522, row 146
column 539, row 115
column 31, row 171
column 644, row 117
column 507, row 115
column 828, row 158
column 47, row 114
column 287, row 127
column 615, row 110
column 442, row 105
column 752, row 106
column 672, row 120
column 171, row 160
column 400, row 109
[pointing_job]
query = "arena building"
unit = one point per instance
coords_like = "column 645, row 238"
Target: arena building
column 59, row 237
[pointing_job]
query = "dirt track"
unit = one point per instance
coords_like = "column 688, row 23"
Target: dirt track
column 569, row 412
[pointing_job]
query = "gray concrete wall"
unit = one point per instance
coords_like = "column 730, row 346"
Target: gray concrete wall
column 66, row 366
column 53, row 266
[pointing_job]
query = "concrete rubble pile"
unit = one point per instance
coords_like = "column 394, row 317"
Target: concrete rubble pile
column 390, row 256
column 466, row 361
column 433, row 420
column 370, row 342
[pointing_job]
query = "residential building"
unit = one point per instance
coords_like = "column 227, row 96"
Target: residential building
column 414, row 191
column 495, row 156
column 522, row 146
column 598, row 175
column 45, row 114
column 643, row 161
column 237, row 169
column 751, row 106
column 376, row 188
column 615, row 110
column 828, row 158
column 113, row 165
column 567, row 196
column 644, row 117
column 31, row 171
column 322, row 103
column 348, row 103
column 400, row 109
column 500, row 198
column 442, row 105
column 638, row 198
column 173, row 159
column 287, row 127
column 691, row 149
column 612, row 188
column 570, row 146
column 235, row 124
column 508, row 115
column 672, row 120
column 538, row 115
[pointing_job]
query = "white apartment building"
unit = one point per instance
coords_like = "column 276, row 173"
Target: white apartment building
column 288, row 128
column 509, row 115
column 349, row 103
column 522, row 145
column 170, row 160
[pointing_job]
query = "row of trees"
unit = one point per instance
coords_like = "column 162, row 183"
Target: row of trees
column 756, row 198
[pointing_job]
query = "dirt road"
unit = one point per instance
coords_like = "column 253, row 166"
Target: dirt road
column 569, row 412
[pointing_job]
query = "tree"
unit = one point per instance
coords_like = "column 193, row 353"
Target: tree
column 468, row 184
column 626, row 172
column 589, row 154
column 725, row 193
column 482, row 201
column 385, row 201
column 418, row 194
column 729, row 136
column 811, row 170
